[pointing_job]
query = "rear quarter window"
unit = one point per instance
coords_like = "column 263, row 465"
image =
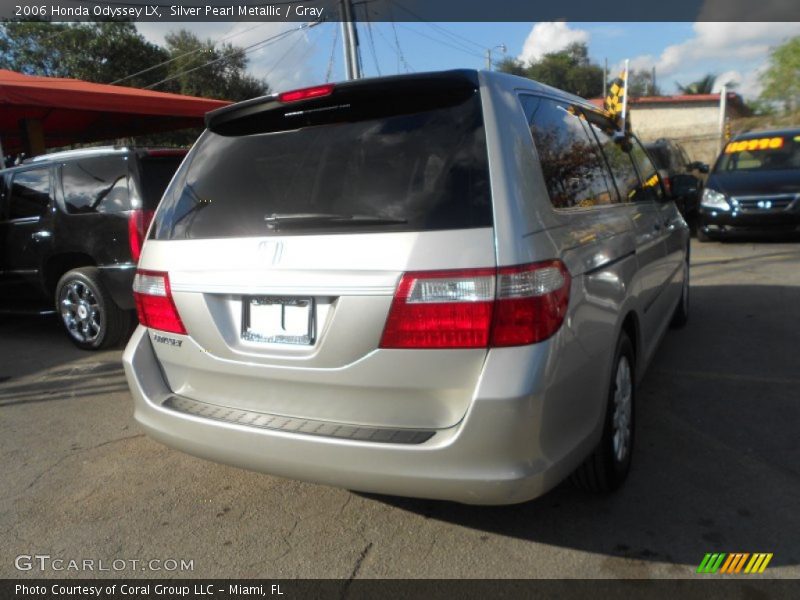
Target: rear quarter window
column 97, row 184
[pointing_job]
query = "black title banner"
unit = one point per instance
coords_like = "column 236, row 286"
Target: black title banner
column 704, row 587
column 401, row 10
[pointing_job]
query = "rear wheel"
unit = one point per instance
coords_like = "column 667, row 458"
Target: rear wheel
column 88, row 313
column 608, row 466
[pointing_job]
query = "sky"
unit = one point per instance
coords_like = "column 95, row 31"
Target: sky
column 680, row 52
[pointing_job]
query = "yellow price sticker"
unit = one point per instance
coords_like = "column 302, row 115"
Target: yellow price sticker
column 755, row 144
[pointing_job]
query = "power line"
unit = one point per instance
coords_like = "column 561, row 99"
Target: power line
column 371, row 40
column 452, row 34
column 245, row 50
column 438, row 41
column 399, row 49
column 332, row 58
column 185, row 54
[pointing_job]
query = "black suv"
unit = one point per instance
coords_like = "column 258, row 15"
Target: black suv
column 71, row 228
column 681, row 177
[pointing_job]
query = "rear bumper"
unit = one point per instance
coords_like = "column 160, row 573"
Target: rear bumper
column 493, row 455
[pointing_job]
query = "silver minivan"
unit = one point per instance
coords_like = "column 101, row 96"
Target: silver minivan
column 442, row 285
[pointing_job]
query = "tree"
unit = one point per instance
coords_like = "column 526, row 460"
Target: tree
column 202, row 68
column 781, row 80
column 704, row 85
column 569, row 69
column 105, row 52
column 100, row 52
column 641, row 84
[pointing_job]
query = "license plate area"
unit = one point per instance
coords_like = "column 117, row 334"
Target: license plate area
column 279, row 320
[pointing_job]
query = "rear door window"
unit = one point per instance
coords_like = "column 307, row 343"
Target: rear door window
column 360, row 164
column 155, row 173
column 96, row 184
column 30, row 193
column 650, row 182
column 616, row 151
column 572, row 166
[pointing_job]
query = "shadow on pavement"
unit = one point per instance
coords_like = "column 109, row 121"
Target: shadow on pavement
column 32, row 343
column 717, row 465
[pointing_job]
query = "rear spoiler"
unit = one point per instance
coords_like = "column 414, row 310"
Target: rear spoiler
column 415, row 91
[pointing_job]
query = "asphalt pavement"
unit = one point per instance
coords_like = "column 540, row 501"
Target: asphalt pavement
column 717, row 468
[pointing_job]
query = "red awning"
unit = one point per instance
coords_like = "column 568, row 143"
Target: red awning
column 72, row 111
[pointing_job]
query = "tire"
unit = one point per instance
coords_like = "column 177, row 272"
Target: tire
column 681, row 315
column 90, row 317
column 702, row 236
column 607, row 467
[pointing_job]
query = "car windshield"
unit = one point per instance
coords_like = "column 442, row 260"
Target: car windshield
column 766, row 153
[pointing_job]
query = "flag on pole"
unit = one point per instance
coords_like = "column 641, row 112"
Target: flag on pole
column 616, row 102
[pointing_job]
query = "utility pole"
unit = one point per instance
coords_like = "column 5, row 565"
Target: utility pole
column 350, row 40
column 502, row 48
column 605, row 78
column 723, row 107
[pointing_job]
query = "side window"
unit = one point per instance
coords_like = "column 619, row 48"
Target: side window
column 572, row 166
column 651, row 183
column 96, row 184
column 617, row 156
column 3, row 197
column 30, row 193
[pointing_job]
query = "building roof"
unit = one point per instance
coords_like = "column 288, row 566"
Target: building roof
column 733, row 99
column 73, row 111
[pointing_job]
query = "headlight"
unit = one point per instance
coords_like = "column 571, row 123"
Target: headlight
column 714, row 199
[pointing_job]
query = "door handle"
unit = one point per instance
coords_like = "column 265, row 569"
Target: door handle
column 40, row 235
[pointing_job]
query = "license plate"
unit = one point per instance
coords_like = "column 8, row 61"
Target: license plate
column 278, row 320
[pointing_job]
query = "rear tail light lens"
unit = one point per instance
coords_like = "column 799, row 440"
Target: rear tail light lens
column 478, row 308
column 306, row 93
column 667, row 185
column 138, row 224
column 154, row 303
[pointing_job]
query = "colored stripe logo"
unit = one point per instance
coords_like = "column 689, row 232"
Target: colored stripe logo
column 734, row 563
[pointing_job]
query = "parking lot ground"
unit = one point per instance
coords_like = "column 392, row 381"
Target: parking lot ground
column 717, row 467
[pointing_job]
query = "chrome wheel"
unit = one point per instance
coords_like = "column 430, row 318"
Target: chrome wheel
column 623, row 410
column 80, row 311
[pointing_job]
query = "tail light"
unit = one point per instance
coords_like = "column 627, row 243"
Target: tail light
column 154, row 303
column 138, row 223
column 306, row 93
column 478, row 308
column 667, row 185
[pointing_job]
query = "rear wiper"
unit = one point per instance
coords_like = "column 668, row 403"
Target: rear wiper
column 278, row 219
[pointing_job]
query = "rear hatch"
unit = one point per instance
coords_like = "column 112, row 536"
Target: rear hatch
column 286, row 233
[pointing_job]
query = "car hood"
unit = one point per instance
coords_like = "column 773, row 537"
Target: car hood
column 755, row 183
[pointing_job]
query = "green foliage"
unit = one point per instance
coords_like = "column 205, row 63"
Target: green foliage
column 105, row 52
column 781, row 80
column 641, row 84
column 704, row 85
column 98, row 52
column 202, row 68
column 570, row 70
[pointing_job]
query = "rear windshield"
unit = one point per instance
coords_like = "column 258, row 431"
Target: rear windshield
column 767, row 153
column 156, row 173
column 352, row 171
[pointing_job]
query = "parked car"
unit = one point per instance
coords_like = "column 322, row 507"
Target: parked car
column 754, row 186
column 71, row 228
column 682, row 177
column 441, row 285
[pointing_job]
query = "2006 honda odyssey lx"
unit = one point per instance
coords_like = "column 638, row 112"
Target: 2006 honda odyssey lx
column 442, row 285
